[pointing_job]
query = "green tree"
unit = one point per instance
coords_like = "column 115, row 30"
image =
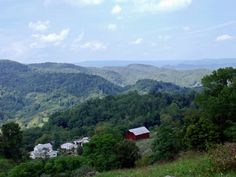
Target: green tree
column 165, row 143
column 101, row 152
column 11, row 141
column 201, row 134
column 218, row 100
column 127, row 154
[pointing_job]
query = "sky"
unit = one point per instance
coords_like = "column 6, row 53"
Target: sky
column 86, row 30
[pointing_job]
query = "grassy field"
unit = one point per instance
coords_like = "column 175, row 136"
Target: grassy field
column 189, row 165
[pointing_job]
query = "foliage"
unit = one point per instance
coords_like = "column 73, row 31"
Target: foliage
column 31, row 93
column 52, row 167
column 62, row 164
column 28, row 169
column 124, row 111
column 107, row 150
column 230, row 132
column 11, row 141
column 101, row 152
column 6, row 165
column 201, row 133
column 218, row 100
column 127, row 154
column 165, row 144
column 223, row 157
column 27, row 94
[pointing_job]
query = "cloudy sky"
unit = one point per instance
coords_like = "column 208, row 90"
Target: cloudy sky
column 83, row 30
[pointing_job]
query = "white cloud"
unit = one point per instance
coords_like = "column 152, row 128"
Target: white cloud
column 40, row 26
column 93, row 45
column 116, row 10
column 52, row 37
column 224, row 37
column 155, row 6
column 137, row 41
column 75, row 2
column 112, row 27
column 170, row 5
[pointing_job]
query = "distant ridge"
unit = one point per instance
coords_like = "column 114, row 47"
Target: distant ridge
column 175, row 64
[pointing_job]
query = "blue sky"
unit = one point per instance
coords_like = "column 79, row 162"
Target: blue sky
column 84, row 30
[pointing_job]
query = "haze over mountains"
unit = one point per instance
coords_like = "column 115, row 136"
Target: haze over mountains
column 175, row 64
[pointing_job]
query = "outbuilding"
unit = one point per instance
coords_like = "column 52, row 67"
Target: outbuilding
column 137, row 133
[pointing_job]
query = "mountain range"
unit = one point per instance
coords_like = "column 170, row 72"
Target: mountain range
column 30, row 93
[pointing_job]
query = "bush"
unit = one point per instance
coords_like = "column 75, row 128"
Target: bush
column 28, row 169
column 52, row 167
column 6, row 165
column 223, row 157
column 62, row 164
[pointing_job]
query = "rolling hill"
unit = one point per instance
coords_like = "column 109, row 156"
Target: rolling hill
column 130, row 74
column 31, row 93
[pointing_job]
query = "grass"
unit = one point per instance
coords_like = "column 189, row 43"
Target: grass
column 189, row 165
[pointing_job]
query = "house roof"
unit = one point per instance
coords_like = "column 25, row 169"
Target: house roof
column 139, row 131
column 68, row 146
column 43, row 146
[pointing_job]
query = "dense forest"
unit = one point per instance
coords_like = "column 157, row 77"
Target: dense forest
column 180, row 120
column 30, row 95
column 129, row 75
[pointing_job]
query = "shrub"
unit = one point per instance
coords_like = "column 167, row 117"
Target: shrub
column 223, row 157
column 28, row 169
column 62, row 164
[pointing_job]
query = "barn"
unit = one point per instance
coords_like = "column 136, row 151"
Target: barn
column 137, row 133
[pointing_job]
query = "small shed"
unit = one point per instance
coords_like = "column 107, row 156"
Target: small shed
column 137, row 133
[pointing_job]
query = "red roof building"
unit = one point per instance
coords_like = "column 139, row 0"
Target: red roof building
column 137, row 133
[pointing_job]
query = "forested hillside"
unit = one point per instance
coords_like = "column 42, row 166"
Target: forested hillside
column 130, row 74
column 122, row 112
column 27, row 94
column 195, row 130
column 30, row 94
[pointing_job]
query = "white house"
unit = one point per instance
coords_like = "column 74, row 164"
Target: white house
column 43, row 151
column 69, row 146
column 82, row 141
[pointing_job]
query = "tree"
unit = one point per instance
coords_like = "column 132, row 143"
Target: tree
column 165, row 143
column 218, row 100
column 201, row 134
column 11, row 141
column 101, row 152
column 127, row 154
